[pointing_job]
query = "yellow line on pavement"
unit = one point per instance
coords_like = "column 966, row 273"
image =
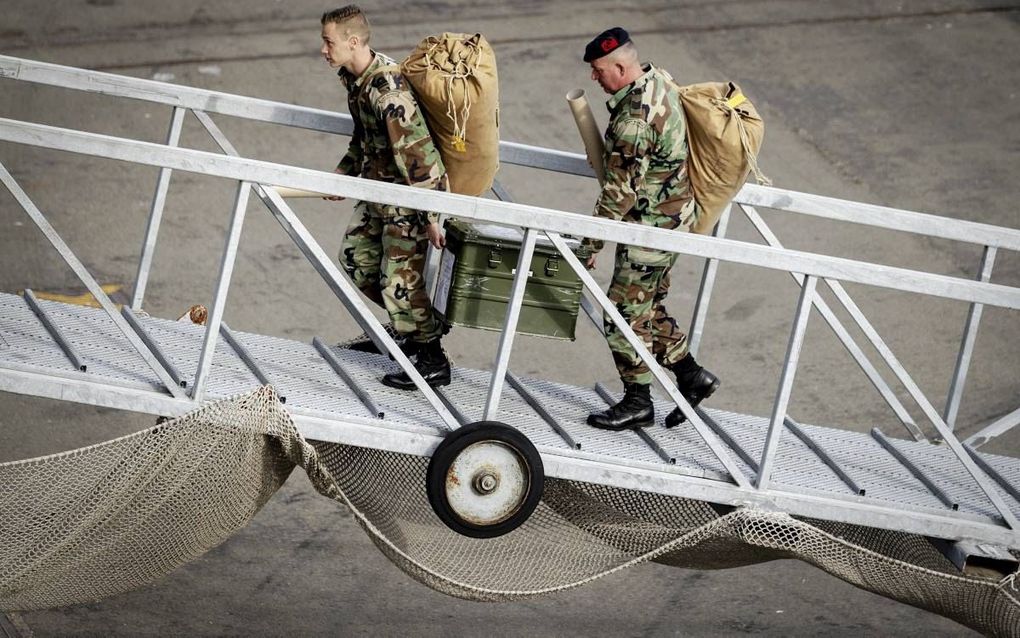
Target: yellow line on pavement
column 84, row 299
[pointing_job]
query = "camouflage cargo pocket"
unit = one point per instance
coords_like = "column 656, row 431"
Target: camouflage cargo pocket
column 649, row 256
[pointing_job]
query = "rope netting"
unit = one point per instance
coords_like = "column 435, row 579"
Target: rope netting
column 83, row 525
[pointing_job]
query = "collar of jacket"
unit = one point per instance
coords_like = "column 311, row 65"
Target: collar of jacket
column 351, row 82
column 649, row 70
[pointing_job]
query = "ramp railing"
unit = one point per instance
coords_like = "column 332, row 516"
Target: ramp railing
column 805, row 268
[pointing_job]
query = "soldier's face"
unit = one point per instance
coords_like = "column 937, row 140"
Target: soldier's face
column 608, row 74
column 336, row 49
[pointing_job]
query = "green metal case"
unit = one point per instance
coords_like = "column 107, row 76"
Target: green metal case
column 476, row 276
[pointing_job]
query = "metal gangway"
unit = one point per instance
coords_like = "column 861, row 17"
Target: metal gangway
column 944, row 489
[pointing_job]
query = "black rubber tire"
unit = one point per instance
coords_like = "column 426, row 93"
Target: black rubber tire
column 446, row 454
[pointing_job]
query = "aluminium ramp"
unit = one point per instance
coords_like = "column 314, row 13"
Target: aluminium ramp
column 334, row 395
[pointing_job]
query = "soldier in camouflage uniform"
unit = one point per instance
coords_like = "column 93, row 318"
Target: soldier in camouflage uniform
column 384, row 248
column 646, row 182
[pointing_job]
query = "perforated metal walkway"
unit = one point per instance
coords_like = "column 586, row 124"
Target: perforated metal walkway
column 322, row 385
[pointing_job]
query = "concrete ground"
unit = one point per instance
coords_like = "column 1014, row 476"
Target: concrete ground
column 909, row 104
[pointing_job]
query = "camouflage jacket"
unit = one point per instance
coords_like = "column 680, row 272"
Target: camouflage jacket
column 391, row 141
column 646, row 157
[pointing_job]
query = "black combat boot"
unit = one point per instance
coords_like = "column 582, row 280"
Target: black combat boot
column 695, row 383
column 432, row 364
column 635, row 410
column 407, row 345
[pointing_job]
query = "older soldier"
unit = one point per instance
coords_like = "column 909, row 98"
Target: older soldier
column 646, row 183
column 384, row 248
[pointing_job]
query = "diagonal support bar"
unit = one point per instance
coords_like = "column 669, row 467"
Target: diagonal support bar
column 929, row 410
column 842, row 334
column 593, row 315
column 90, row 283
column 660, row 375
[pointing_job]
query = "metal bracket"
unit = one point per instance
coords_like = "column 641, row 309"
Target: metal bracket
column 976, row 558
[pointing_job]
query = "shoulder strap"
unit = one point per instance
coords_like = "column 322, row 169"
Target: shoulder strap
column 386, row 68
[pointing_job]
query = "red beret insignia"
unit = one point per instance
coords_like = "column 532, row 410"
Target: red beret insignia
column 609, row 44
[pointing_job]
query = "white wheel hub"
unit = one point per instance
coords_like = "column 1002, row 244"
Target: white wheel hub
column 487, row 483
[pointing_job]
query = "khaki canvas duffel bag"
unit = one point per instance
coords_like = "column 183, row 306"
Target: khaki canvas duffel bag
column 724, row 133
column 454, row 78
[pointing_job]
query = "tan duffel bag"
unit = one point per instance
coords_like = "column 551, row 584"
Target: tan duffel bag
column 724, row 132
column 453, row 76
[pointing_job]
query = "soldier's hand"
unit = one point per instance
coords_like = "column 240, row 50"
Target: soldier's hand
column 590, row 264
column 335, row 198
column 435, row 234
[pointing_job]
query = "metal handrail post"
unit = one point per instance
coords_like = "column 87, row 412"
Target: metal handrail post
column 782, row 401
column 156, row 213
column 609, row 309
column 212, row 328
column 700, row 315
column 513, row 313
column 967, row 344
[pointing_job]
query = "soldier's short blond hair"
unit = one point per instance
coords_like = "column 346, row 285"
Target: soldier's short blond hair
column 351, row 19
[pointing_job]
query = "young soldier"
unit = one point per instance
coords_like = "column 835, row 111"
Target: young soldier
column 646, row 183
column 384, row 248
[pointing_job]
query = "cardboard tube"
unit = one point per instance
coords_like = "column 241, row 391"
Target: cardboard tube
column 589, row 130
column 295, row 192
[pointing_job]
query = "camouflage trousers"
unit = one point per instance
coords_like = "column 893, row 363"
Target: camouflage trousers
column 384, row 255
column 639, row 291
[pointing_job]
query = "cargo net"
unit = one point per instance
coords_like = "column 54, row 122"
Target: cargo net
column 83, row 525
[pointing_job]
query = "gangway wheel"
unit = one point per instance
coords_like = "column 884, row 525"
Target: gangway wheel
column 485, row 479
